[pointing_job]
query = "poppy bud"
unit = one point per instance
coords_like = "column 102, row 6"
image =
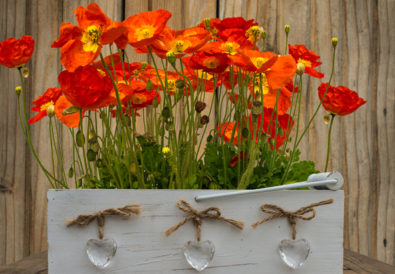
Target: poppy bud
column 245, row 132
column 80, row 139
column 144, row 65
column 204, row 120
column 326, row 119
column 25, row 72
column 180, row 83
column 200, row 106
column 149, row 85
column 91, row 155
column 71, row 172
column 271, row 141
column 92, row 138
column 170, row 126
column 280, row 131
column 95, row 147
column 171, row 57
column 18, row 90
column 300, row 67
column 263, row 35
column 155, row 102
column 50, row 110
column 237, row 115
column 256, row 108
column 334, row 41
column 209, row 138
column 99, row 163
column 287, row 28
column 166, row 112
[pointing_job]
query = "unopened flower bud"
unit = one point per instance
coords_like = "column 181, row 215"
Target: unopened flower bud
column 334, row 41
column 326, row 119
column 200, row 106
column 149, row 85
column 71, row 172
column 204, row 120
column 171, row 57
column 287, row 28
column 207, row 23
column 18, row 90
column 280, row 131
column 92, row 138
column 166, row 112
column 209, row 138
column 256, row 107
column 263, row 35
column 155, row 102
column 180, row 83
column 80, row 139
column 170, row 126
column 50, row 110
column 25, row 72
column 300, row 67
column 91, row 155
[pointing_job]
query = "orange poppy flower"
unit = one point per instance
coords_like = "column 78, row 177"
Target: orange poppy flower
column 70, row 120
column 225, row 132
column 86, row 87
column 16, row 52
column 339, row 100
column 180, row 42
column 80, row 45
column 310, row 60
column 41, row 104
column 255, row 61
column 145, row 27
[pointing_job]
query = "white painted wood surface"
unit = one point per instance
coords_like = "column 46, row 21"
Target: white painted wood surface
column 144, row 248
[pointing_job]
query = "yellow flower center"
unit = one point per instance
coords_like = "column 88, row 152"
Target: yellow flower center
column 261, row 80
column 145, row 32
column 211, row 62
column 230, row 47
column 305, row 62
column 46, row 105
column 171, row 85
column 90, row 38
column 258, row 62
column 253, row 33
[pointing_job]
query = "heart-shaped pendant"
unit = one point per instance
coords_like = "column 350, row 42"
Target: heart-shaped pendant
column 294, row 252
column 199, row 254
column 100, row 252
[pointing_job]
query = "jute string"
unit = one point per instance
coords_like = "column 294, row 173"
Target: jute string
column 197, row 216
column 278, row 212
column 85, row 219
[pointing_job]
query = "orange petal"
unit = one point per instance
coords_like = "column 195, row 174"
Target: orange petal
column 71, row 120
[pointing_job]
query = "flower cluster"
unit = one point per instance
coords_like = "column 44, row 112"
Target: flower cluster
column 256, row 101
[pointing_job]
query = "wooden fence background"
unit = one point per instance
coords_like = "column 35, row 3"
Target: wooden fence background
column 361, row 141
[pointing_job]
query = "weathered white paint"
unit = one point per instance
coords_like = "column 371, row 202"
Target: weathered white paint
column 144, row 248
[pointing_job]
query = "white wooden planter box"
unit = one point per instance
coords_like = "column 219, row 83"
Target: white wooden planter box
column 144, row 248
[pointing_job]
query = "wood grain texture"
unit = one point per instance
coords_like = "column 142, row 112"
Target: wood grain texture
column 354, row 263
column 361, row 148
column 144, row 248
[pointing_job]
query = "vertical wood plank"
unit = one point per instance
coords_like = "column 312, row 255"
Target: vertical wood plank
column 12, row 145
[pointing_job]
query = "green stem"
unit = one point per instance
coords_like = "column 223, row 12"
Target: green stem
column 329, row 141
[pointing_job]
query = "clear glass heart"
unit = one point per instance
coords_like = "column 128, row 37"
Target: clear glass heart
column 294, row 252
column 199, row 254
column 100, row 252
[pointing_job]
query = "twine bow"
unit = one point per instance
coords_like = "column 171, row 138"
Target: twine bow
column 197, row 216
column 85, row 219
column 278, row 212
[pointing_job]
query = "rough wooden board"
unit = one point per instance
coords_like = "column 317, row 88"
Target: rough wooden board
column 13, row 243
column 143, row 247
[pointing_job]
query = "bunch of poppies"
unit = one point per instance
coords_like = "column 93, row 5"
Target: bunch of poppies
column 224, row 57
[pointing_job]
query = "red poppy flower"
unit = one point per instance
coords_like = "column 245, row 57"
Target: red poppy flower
column 212, row 63
column 80, row 45
column 234, row 26
column 145, row 27
column 310, row 60
column 16, row 52
column 181, row 42
column 339, row 100
column 278, row 132
column 70, row 120
column 41, row 104
column 86, row 88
